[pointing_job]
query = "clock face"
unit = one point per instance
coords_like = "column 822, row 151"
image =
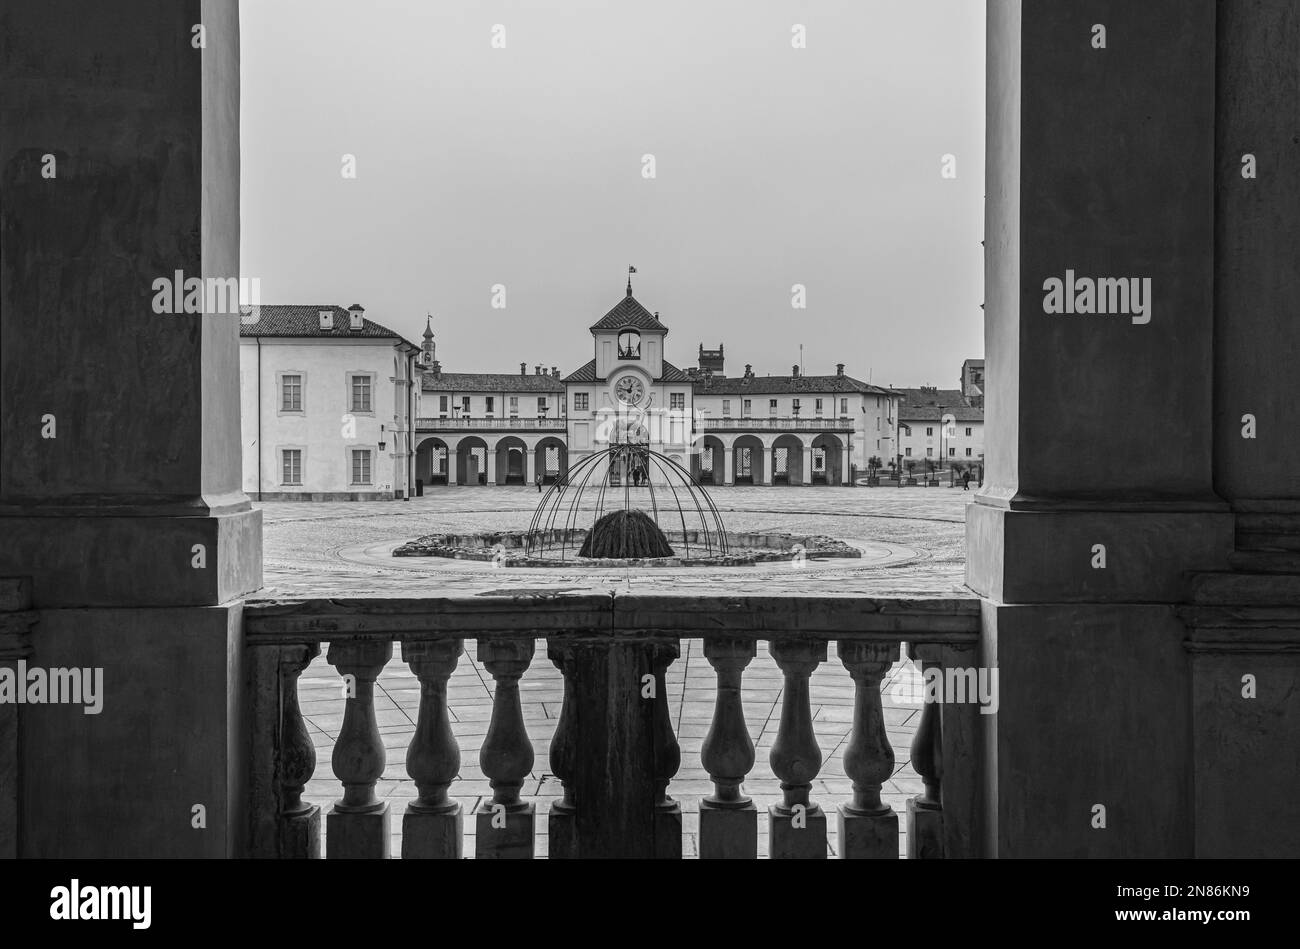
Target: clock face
column 629, row 390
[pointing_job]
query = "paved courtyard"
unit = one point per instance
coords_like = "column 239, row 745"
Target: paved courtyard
column 340, row 550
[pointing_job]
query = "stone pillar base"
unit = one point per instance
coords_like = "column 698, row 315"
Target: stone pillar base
column 358, row 836
column 787, row 842
column 514, row 841
column 300, row 835
column 865, row 836
column 924, row 831
column 561, row 833
column 433, row 835
column 668, row 831
column 728, row 833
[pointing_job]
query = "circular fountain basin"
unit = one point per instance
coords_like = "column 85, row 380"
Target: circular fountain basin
column 559, row 548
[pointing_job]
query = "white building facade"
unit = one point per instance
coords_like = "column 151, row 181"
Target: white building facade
column 328, row 405
column 941, row 427
column 506, row 428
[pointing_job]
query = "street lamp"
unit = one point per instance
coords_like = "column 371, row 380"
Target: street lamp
column 942, row 426
column 382, row 443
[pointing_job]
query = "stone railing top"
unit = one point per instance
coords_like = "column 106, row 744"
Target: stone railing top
column 520, row 612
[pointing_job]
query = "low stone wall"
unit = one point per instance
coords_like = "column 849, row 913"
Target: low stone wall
column 508, row 549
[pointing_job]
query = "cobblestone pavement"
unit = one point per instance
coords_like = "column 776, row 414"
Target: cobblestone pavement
column 306, row 546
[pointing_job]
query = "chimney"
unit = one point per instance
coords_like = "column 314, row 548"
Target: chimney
column 749, row 370
column 794, row 372
column 839, row 369
column 327, row 319
column 537, row 370
column 355, row 312
column 523, row 368
column 555, row 371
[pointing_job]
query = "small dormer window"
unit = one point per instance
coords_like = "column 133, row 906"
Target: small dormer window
column 327, row 319
column 629, row 345
column 355, row 314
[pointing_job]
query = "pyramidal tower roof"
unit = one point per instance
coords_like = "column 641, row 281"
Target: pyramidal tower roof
column 628, row 312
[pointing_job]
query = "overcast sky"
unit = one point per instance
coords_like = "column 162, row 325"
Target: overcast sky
column 523, row 166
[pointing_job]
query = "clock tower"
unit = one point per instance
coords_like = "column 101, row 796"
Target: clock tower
column 629, row 392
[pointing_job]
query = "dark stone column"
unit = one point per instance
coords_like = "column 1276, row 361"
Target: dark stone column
column 119, row 471
column 1100, row 491
column 1245, row 649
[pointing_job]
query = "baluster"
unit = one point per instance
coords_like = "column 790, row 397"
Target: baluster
column 561, row 826
column 868, row 827
column 299, row 823
column 433, row 825
column 728, row 818
column 925, row 811
column 796, row 827
column 667, row 759
column 504, row 828
column 358, row 825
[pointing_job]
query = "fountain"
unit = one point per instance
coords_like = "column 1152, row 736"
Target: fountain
column 622, row 506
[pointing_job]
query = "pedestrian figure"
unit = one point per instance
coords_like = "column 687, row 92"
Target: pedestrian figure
column 965, row 481
column 539, row 482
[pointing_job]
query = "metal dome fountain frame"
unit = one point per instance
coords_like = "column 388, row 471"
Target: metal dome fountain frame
column 555, row 527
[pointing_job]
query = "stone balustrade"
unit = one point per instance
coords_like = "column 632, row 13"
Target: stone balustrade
column 613, row 749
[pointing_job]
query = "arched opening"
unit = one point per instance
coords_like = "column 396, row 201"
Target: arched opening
column 471, row 461
column 550, row 460
column 787, row 460
column 629, row 344
column 708, row 462
column 431, row 459
column 512, row 465
column 747, row 463
column 827, row 460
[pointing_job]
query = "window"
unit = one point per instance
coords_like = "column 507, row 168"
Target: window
column 951, row 452
column 360, row 466
column 795, row 405
column 514, row 406
column 291, row 393
column 746, row 406
column 464, row 405
column 442, row 404
column 291, row 459
column 929, row 430
column 580, row 401
column 490, row 405
column 677, row 400
column 541, row 404
column 726, row 408
column 907, row 452
column 877, row 423
column 968, row 430
column 629, row 345
column 952, row 430
column 967, row 452
column 817, row 406
column 361, row 393
column 771, row 406
column 929, row 453
column 844, row 406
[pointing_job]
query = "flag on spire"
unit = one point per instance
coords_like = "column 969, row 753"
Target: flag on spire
column 630, row 270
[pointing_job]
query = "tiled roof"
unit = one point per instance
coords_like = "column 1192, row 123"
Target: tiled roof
column 587, row 373
column 780, row 385
column 930, row 405
column 490, row 382
column 673, row 374
column 295, row 320
column 628, row 313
